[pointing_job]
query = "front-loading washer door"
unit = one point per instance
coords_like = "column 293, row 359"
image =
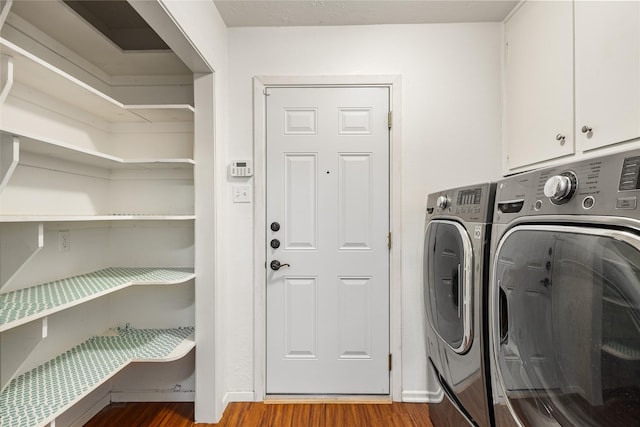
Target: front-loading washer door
column 448, row 274
column 565, row 315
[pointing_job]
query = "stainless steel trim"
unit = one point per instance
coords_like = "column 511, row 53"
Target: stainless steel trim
column 573, row 219
column 467, row 285
column 494, row 329
column 450, row 396
column 460, row 302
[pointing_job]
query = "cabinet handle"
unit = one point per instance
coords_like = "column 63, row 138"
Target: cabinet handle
column 586, row 129
column 560, row 137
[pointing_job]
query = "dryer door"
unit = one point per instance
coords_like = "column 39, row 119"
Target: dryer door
column 565, row 315
column 448, row 274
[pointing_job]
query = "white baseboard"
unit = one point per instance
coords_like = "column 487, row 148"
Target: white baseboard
column 239, row 396
column 422, row 396
column 92, row 412
column 153, row 396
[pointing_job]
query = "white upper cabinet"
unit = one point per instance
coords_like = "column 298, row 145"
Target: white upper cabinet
column 572, row 80
column 607, row 72
column 539, row 83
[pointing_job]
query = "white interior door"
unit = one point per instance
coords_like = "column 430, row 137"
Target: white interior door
column 328, row 191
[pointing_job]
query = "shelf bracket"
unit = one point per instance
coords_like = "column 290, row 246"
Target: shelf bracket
column 6, row 76
column 45, row 327
column 20, row 242
column 9, row 157
column 5, row 7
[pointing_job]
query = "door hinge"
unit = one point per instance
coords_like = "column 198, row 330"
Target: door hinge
column 389, row 240
column 390, row 119
column 390, row 361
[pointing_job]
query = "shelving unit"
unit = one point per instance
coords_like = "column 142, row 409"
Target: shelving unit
column 26, row 305
column 118, row 179
column 83, row 218
column 46, row 78
column 67, row 152
column 38, row 396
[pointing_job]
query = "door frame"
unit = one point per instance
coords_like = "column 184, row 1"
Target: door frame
column 260, row 83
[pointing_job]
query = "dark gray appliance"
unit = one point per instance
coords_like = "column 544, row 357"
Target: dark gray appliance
column 455, row 277
column 565, row 295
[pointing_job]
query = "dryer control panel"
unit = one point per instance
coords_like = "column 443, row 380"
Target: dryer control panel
column 470, row 204
column 602, row 186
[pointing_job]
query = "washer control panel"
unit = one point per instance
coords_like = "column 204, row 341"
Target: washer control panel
column 604, row 186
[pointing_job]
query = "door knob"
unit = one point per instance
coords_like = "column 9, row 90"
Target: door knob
column 275, row 243
column 275, row 226
column 560, row 137
column 275, row 265
column 586, row 129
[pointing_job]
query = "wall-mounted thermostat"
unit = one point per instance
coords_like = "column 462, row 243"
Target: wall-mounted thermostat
column 241, row 168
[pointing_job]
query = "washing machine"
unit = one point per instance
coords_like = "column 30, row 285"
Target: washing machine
column 455, row 275
column 564, row 295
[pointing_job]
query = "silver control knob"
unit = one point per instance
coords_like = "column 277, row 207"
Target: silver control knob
column 560, row 188
column 557, row 187
column 442, row 202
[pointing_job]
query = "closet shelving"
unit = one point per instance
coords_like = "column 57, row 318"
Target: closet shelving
column 12, row 145
column 74, row 157
column 38, row 396
column 28, row 304
column 38, row 74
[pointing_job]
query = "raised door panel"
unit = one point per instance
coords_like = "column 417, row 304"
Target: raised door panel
column 607, row 72
column 355, row 198
column 300, row 204
column 539, row 82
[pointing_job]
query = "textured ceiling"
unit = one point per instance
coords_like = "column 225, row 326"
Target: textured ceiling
column 261, row 13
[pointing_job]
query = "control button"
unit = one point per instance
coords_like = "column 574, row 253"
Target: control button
column 588, row 202
column 442, row 202
column 630, row 174
column 538, row 205
column 560, row 188
column 626, row 203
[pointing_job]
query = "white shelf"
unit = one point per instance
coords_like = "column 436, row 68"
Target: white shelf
column 37, row 397
column 62, row 151
column 26, row 305
column 34, row 72
column 83, row 218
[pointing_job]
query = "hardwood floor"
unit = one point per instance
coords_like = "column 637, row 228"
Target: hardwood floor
column 257, row 414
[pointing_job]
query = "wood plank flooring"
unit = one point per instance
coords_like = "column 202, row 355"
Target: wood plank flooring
column 257, row 414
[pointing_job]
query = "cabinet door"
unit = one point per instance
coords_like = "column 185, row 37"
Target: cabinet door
column 539, row 83
column 607, row 72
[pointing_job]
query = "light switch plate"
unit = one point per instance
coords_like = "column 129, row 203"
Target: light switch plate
column 241, row 194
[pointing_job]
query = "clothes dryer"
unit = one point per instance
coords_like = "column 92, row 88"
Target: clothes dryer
column 565, row 295
column 455, row 274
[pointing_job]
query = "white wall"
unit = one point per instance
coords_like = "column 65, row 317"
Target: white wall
column 196, row 32
column 451, row 119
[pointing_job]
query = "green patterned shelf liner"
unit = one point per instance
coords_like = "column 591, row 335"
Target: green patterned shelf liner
column 35, row 397
column 27, row 302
